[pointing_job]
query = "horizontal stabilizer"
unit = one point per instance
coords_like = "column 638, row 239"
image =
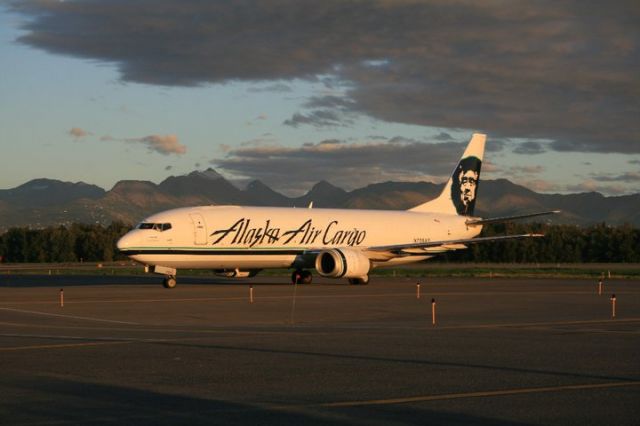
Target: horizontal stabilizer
column 476, row 222
column 446, row 244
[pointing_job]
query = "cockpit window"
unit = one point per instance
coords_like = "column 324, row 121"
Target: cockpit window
column 157, row 226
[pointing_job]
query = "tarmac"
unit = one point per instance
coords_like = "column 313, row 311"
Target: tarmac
column 124, row 350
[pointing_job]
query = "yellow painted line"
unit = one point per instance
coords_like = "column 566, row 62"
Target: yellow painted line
column 541, row 324
column 266, row 297
column 483, row 394
column 206, row 299
column 316, row 296
column 62, row 345
column 22, row 311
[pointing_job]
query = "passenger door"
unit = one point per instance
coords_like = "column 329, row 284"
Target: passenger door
column 199, row 229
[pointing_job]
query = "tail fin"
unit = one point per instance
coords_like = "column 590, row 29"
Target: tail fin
column 460, row 192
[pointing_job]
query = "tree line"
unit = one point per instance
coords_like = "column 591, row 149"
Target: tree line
column 598, row 243
column 561, row 244
column 75, row 243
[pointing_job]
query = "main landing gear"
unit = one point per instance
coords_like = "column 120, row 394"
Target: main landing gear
column 300, row 276
column 359, row 281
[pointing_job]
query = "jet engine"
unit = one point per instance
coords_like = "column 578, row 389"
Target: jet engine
column 343, row 262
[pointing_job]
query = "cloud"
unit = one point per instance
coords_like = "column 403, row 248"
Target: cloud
column 559, row 71
column 443, row 136
column 272, row 88
column 591, row 185
column 327, row 111
column 627, row 177
column 344, row 163
column 78, row 133
column 319, row 118
column 165, row 145
column 518, row 174
column 529, row 148
column 162, row 144
column 541, row 185
column 532, row 170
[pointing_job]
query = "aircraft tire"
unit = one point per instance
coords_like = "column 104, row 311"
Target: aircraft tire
column 359, row 281
column 303, row 277
column 169, row 282
column 306, row 277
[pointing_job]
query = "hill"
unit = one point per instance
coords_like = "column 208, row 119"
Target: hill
column 45, row 202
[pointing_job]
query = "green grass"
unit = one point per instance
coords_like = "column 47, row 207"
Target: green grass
column 590, row 271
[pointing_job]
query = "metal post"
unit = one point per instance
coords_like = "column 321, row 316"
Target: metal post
column 250, row 293
column 62, row 298
column 418, row 291
column 613, row 306
column 433, row 312
column 600, row 287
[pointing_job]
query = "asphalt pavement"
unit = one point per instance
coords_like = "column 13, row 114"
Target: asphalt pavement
column 124, row 350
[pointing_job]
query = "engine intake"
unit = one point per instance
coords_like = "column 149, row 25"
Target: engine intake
column 347, row 263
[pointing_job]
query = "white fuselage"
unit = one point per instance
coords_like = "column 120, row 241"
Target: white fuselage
column 233, row 237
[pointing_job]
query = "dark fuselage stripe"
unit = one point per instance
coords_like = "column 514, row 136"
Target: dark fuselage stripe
column 247, row 252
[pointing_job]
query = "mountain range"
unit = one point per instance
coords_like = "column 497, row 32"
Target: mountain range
column 46, row 202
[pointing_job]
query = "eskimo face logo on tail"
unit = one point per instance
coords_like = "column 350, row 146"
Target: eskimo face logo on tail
column 464, row 187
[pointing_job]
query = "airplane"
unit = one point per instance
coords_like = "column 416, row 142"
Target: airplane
column 239, row 242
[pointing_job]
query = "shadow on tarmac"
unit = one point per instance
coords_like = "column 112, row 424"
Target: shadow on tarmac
column 90, row 403
column 156, row 280
column 68, row 280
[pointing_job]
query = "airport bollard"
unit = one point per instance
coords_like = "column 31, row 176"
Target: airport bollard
column 613, row 306
column 599, row 287
column 250, row 293
column 417, row 290
column 433, row 312
column 62, row 298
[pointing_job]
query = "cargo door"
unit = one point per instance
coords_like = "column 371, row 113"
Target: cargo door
column 199, row 229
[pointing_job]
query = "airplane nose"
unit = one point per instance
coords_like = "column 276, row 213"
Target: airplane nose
column 125, row 242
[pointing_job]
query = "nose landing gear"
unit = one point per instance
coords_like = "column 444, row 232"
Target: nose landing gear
column 169, row 282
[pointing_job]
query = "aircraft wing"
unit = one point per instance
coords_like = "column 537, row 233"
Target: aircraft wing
column 444, row 245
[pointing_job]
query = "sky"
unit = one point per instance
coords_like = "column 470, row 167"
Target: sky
column 292, row 92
